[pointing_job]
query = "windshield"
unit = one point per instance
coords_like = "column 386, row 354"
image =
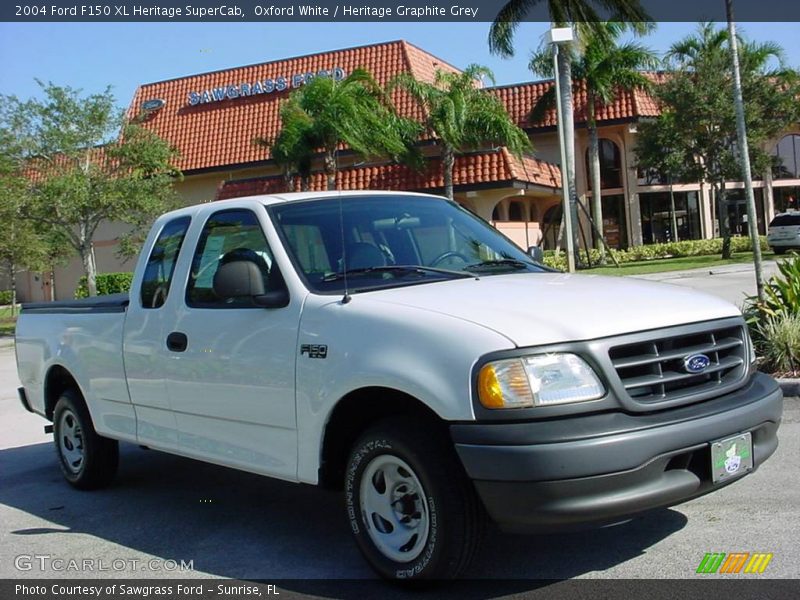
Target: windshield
column 389, row 241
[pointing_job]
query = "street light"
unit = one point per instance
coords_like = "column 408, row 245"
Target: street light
column 556, row 36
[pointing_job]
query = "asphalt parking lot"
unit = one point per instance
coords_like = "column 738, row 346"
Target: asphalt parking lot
column 229, row 524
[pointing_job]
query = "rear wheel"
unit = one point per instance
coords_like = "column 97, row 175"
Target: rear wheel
column 413, row 512
column 88, row 460
column 779, row 250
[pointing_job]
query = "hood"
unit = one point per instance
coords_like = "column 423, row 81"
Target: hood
column 546, row 308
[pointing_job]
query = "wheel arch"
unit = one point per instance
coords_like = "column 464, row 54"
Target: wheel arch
column 56, row 382
column 353, row 414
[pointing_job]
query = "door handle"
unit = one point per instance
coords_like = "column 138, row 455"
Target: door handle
column 177, row 341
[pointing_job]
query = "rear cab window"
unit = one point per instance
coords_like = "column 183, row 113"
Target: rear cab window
column 161, row 263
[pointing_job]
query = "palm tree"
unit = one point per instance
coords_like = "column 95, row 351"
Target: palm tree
column 606, row 69
column 293, row 148
column 562, row 13
column 462, row 115
column 325, row 113
column 704, row 58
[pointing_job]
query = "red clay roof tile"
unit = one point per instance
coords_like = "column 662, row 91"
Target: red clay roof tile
column 470, row 169
column 222, row 133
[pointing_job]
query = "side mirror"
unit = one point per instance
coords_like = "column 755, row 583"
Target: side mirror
column 239, row 279
column 536, row 253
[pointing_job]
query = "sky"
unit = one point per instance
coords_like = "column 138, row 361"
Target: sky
column 91, row 56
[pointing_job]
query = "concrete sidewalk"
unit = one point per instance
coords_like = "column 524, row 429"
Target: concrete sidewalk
column 770, row 268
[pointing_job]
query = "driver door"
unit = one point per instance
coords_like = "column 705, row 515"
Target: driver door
column 232, row 369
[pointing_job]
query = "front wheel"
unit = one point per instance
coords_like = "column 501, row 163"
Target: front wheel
column 88, row 460
column 412, row 510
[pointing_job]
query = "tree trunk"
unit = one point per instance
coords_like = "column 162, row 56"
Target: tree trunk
column 330, row 168
column 89, row 268
column 448, row 164
column 565, row 77
column 305, row 183
column 288, row 180
column 673, row 217
column 724, row 228
column 12, row 271
column 597, row 193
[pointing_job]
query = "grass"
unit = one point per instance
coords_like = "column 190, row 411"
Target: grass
column 663, row 265
column 7, row 322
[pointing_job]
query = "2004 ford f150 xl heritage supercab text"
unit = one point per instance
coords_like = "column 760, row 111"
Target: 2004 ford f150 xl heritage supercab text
column 397, row 346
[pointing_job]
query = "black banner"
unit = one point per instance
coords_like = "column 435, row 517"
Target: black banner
column 735, row 587
column 365, row 10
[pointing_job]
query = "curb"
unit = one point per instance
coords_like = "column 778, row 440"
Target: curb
column 790, row 387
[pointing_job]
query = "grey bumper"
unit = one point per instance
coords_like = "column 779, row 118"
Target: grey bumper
column 596, row 469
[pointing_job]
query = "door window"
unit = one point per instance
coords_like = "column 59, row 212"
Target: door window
column 229, row 235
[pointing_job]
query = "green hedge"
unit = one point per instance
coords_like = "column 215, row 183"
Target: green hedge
column 107, row 283
column 5, row 297
column 656, row 251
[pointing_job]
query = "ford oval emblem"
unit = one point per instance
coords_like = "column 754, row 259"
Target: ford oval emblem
column 696, row 363
column 153, row 105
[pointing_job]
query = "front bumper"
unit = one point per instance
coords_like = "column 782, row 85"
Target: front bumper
column 598, row 469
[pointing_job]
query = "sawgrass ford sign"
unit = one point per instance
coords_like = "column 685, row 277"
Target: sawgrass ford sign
column 265, row 86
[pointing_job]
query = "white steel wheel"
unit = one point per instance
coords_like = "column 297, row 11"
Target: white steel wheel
column 394, row 508
column 70, row 441
column 88, row 460
column 412, row 510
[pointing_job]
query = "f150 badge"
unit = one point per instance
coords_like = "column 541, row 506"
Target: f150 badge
column 314, row 350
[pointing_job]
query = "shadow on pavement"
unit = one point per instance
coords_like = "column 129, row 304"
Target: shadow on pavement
column 243, row 526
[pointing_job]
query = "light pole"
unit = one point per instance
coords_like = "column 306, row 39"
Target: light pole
column 556, row 36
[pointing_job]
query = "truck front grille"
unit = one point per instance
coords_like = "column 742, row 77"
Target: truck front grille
column 653, row 371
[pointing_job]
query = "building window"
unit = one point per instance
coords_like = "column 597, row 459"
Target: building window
column 550, row 226
column 737, row 211
column 787, row 154
column 615, row 228
column 786, row 198
column 657, row 226
column 610, row 165
column 516, row 211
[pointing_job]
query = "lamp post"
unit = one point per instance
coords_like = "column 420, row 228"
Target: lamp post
column 555, row 37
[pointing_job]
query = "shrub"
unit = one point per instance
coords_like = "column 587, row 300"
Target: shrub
column 5, row 297
column 107, row 283
column 656, row 251
column 780, row 344
column 775, row 322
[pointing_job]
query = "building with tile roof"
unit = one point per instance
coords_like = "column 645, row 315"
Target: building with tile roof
column 214, row 119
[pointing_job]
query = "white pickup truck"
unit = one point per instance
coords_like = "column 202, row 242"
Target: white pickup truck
column 398, row 347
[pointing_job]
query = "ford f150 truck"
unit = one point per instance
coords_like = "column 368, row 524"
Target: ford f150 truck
column 398, row 347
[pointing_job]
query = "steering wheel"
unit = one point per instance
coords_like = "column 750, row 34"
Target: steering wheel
column 449, row 254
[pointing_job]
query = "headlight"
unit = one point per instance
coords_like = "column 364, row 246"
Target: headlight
column 541, row 380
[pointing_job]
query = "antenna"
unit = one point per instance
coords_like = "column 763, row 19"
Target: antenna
column 346, row 298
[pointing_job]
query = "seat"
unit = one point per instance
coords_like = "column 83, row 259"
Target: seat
column 363, row 255
column 246, row 254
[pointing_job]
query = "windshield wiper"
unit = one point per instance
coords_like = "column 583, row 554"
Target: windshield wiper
column 507, row 263
column 397, row 270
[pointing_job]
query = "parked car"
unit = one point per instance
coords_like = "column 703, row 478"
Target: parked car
column 784, row 232
column 398, row 347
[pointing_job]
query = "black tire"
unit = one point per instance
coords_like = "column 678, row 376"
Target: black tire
column 455, row 517
column 88, row 460
column 779, row 250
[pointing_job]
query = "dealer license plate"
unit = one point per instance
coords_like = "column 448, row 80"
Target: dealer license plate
column 731, row 457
